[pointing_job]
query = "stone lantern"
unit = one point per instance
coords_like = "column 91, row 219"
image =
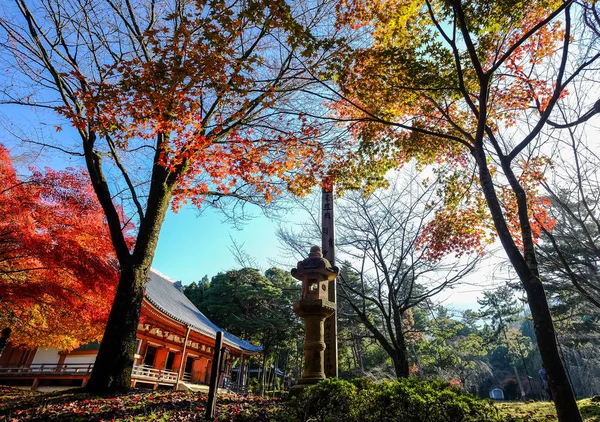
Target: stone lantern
column 314, row 307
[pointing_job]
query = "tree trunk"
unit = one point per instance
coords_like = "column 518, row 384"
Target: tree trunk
column 562, row 393
column 400, row 360
column 261, row 381
column 112, row 370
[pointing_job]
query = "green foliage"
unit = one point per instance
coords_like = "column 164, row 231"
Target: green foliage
column 405, row 400
column 500, row 306
column 575, row 309
column 166, row 405
column 450, row 346
column 330, row 400
column 196, row 291
column 249, row 304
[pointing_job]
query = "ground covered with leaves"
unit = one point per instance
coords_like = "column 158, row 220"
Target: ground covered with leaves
column 138, row 405
column 330, row 401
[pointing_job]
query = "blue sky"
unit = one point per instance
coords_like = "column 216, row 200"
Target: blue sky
column 191, row 245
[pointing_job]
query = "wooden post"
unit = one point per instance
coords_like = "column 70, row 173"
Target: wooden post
column 179, row 374
column 215, row 375
column 240, row 380
column 328, row 246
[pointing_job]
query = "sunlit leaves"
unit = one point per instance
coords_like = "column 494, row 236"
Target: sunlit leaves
column 435, row 80
column 202, row 87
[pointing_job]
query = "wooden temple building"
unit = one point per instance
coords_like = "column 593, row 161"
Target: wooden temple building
column 175, row 347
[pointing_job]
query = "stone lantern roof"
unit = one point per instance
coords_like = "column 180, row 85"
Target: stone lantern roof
column 315, row 263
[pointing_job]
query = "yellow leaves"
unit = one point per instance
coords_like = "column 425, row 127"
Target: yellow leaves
column 396, row 20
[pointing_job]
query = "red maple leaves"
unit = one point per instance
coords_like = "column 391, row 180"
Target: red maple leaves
column 58, row 272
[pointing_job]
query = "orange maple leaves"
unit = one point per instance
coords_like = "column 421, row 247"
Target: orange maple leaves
column 202, row 87
column 414, row 91
column 464, row 225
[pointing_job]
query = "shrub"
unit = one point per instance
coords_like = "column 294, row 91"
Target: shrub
column 331, row 400
column 405, row 400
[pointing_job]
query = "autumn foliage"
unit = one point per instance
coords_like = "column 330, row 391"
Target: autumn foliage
column 58, row 272
column 198, row 93
column 174, row 102
column 472, row 85
column 414, row 94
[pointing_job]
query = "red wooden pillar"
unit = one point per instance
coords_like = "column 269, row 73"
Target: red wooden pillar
column 161, row 358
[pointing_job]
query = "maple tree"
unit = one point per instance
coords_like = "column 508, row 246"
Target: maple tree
column 473, row 84
column 58, row 270
column 172, row 102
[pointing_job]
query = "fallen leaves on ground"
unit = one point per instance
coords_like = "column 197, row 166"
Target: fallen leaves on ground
column 138, row 405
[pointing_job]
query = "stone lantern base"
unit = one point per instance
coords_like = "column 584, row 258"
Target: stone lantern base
column 314, row 313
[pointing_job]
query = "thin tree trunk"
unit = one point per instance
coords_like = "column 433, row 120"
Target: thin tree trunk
column 418, row 360
column 261, row 390
column 518, row 377
column 525, row 366
column 566, row 405
column 361, row 363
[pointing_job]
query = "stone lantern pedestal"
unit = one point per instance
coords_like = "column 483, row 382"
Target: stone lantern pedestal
column 314, row 307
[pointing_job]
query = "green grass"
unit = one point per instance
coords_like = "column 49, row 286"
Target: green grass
column 543, row 411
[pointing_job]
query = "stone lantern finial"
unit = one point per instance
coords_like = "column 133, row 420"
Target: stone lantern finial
column 315, row 252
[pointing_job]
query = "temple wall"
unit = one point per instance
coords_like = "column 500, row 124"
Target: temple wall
column 83, row 359
column 43, row 355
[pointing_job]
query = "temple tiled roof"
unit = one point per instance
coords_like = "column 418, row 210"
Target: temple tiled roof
column 162, row 292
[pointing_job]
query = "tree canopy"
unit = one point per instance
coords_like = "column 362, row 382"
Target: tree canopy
column 172, row 102
column 58, row 270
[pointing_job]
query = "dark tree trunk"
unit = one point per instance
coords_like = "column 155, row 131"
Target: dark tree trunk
column 526, row 268
column 114, row 363
column 401, row 366
column 562, row 393
column 112, row 370
column 400, row 357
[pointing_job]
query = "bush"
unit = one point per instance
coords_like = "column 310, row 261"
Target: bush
column 331, row 400
column 406, row 400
